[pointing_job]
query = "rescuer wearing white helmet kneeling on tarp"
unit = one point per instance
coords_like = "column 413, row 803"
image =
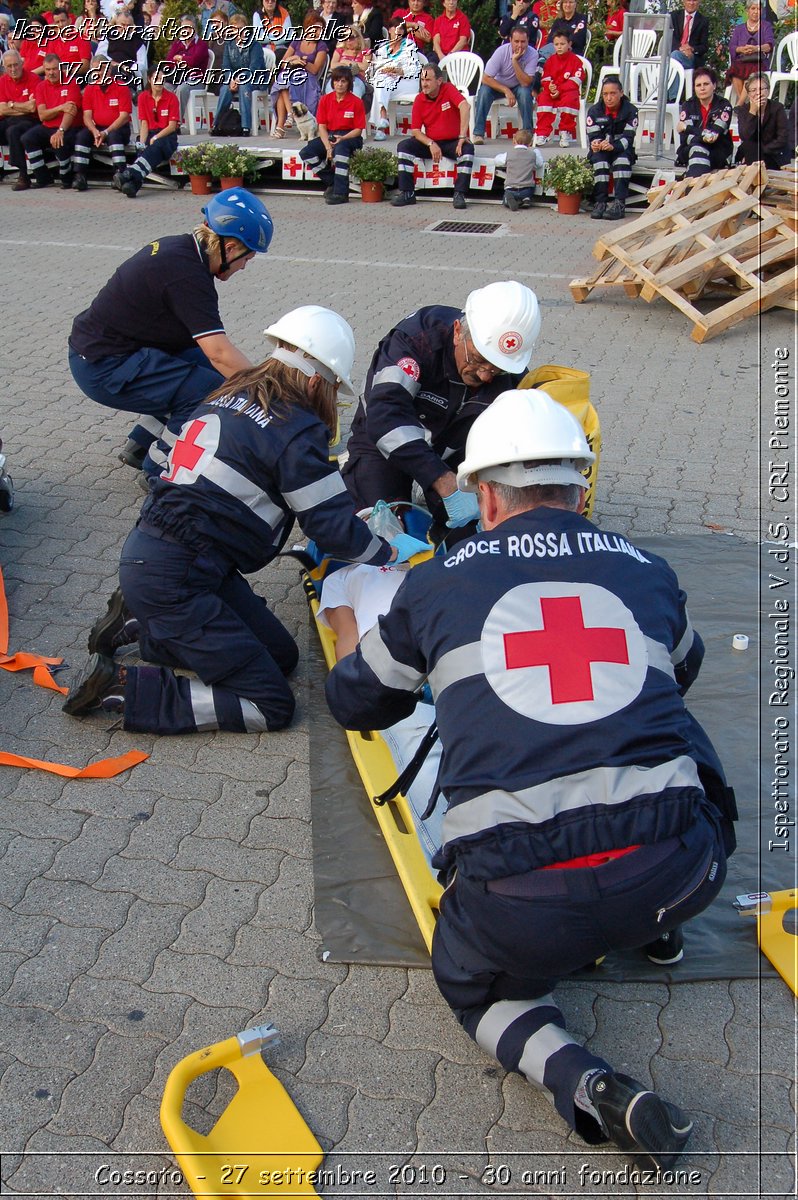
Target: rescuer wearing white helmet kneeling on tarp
column 252, row 458
column 430, row 378
column 587, row 810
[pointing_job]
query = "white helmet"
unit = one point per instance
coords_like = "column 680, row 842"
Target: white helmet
column 326, row 341
column 504, row 324
column 521, row 428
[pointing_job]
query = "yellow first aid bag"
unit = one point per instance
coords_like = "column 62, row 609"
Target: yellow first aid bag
column 571, row 388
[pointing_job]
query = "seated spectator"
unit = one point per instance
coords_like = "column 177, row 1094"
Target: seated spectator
column 125, row 46
column 334, row 22
column 750, row 48
column 17, row 112
column 762, row 125
column 342, row 120
column 5, row 26
column 572, row 21
column 215, row 36
column 352, row 52
column 60, row 6
column 369, row 20
column 31, row 47
column 192, row 54
column 207, row 8
column 352, row 600
column 59, row 105
column 271, row 23
column 690, row 39
column 75, row 51
column 521, row 165
column 613, row 28
column 705, row 144
column 151, row 12
column 560, row 89
column 107, row 109
column 451, row 31
column 546, row 13
column 395, row 72
column 243, row 54
column 508, row 72
column 521, row 16
column 611, row 126
column 91, row 22
column 159, row 121
column 439, row 126
column 310, row 55
column 418, row 23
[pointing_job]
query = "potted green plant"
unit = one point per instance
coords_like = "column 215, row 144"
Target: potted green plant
column 571, row 177
column 196, row 162
column 231, row 165
column 374, row 168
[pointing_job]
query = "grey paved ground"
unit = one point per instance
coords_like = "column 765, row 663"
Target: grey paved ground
column 152, row 914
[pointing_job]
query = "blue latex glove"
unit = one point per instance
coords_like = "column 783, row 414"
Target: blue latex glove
column 461, row 507
column 407, row 546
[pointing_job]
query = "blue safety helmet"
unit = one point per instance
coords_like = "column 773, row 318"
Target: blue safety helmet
column 236, row 213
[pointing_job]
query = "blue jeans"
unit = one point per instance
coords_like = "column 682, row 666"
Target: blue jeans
column 244, row 97
column 487, row 95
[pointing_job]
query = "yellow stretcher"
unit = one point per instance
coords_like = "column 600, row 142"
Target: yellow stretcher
column 260, row 1145
column 776, row 929
column 378, row 771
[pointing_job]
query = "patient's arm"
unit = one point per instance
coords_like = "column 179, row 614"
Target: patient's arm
column 344, row 626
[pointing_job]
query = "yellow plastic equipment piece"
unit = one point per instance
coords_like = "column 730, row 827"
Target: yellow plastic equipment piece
column 378, row 771
column 260, row 1145
column 778, row 943
column 571, row 388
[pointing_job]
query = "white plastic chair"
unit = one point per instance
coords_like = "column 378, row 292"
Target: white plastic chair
column 643, row 85
column 260, row 117
column 581, row 120
column 461, row 69
column 643, row 41
column 201, row 105
column 787, row 49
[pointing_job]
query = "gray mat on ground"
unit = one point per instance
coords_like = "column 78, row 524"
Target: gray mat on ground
column 361, row 909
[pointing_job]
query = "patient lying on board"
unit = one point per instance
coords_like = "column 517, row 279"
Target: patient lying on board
column 351, row 601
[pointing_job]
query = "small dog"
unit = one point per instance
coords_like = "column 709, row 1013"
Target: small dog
column 305, row 121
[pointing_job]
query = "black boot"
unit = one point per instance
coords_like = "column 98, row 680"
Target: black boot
column 99, row 688
column 639, row 1120
column 116, row 628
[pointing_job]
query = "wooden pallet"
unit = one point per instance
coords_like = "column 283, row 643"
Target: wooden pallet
column 697, row 233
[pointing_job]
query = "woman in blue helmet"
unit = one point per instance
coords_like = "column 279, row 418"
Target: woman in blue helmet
column 152, row 341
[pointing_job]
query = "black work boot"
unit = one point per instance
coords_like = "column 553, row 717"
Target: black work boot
column 99, row 688
column 132, row 454
column 81, row 182
column 403, row 199
column 638, row 1120
column 616, row 211
column 115, row 629
column 667, row 949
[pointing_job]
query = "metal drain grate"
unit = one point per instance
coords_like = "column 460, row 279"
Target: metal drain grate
column 486, row 228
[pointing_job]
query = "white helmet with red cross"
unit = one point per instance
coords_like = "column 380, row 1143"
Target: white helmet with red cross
column 504, row 324
column 522, row 438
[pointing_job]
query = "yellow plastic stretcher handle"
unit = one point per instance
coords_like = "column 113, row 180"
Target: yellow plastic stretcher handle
column 259, row 1146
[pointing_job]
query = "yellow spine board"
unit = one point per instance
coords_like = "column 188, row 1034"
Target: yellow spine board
column 778, row 944
column 259, row 1146
column 378, row 771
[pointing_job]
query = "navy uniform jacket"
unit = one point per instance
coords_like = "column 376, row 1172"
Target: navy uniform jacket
column 619, row 128
column 718, row 121
column 237, row 477
column 557, row 656
column 413, row 392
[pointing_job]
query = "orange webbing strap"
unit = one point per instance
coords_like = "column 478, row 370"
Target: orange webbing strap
column 25, row 662
column 106, row 768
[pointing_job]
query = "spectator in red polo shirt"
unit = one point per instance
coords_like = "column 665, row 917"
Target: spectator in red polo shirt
column 418, row 23
column 439, row 127
column 17, row 112
column 107, row 108
column 68, row 46
column 159, row 121
column 59, row 105
column 342, row 119
column 31, row 47
column 451, row 31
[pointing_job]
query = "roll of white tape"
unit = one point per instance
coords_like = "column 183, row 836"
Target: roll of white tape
column 739, row 642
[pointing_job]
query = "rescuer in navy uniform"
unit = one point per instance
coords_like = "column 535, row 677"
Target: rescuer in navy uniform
column 247, row 462
column 587, row 810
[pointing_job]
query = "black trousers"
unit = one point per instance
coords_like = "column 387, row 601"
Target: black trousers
column 11, row 131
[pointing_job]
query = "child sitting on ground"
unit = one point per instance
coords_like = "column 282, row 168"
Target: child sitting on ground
column 521, row 163
column 563, row 76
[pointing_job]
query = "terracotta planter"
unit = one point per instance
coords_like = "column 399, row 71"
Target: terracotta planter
column 568, row 205
column 200, row 184
column 231, row 181
column 371, row 193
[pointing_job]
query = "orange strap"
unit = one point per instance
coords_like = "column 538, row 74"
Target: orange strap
column 106, row 768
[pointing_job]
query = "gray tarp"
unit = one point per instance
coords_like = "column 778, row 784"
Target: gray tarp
column 361, row 909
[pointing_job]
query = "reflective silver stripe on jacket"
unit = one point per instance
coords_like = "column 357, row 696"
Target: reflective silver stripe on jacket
column 390, row 673
column 680, row 652
column 313, row 494
column 396, row 375
column 601, row 785
column 244, row 490
column 374, row 545
column 401, row 436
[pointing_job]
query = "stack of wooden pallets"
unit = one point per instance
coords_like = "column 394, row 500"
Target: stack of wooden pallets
column 719, row 235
